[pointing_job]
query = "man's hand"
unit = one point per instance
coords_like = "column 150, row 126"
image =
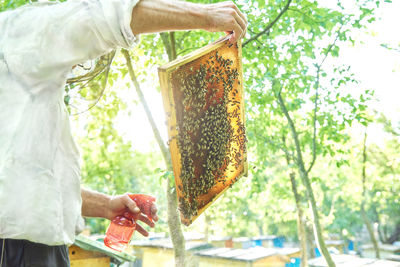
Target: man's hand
column 122, row 204
column 95, row 204
column 226, row 16
column 162, row 15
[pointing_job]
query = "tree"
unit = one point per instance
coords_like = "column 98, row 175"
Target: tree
column 301, row 224
column 362, row 208
column 173, row 216
column 286, row 71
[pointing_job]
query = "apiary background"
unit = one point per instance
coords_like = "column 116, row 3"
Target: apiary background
column 219, row 58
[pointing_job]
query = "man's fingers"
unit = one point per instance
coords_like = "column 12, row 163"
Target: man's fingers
column 133, row 211
column 238, row 15
column 131, row 204
column 231, row 4
column 235, row 21
column 154, row 212
column 140, row 217
column 141, row 230
column 237, row 33
column 226, row 16
column 242, row 25
column 145, row 219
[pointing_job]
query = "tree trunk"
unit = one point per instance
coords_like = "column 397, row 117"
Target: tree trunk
column 380, row 234
column 310, row 241
column 370, row 231
column 301, row 228
column 379, row 228
column 364, row 216
column 174, row 224
column 306, row 181
column 317, row 226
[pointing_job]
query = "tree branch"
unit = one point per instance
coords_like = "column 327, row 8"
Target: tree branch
column 285, row 150
column 156, row 132
column 314, row 148
column 299, row 157
column 364, row 216
column 173, row 45
column 388, row 126
column 167, row 45
column 270, row 25
column 304, row 177
column 316, row 86
column 364, row 163
column 180, row 40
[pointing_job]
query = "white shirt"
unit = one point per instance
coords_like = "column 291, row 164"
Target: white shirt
column 40, row 196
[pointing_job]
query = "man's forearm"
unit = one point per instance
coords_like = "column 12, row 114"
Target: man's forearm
column 160, row 15
column 166, row 15
column 94, row 204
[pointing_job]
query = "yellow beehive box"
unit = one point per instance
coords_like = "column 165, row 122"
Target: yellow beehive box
column 84, row 258
column 204, row 104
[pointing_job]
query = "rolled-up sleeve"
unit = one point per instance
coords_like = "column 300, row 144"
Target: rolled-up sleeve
column 42, row 39
column 113, row 19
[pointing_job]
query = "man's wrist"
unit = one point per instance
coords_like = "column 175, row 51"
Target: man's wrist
column 95, row 204
column 106, row 207
column 199, row 15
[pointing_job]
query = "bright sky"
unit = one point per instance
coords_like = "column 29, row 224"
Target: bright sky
column 134, row 125
column 378, row 68
column 375, row 67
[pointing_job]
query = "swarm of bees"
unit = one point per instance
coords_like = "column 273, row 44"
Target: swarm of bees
column 210, row 131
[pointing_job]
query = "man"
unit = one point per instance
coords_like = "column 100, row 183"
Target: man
column 41, row 201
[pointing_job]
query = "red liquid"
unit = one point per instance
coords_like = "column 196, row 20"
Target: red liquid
column 119, row 233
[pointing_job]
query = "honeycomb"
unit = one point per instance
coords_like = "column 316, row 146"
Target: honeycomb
column 203, row 99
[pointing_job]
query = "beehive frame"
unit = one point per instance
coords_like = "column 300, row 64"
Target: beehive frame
column 173, row 107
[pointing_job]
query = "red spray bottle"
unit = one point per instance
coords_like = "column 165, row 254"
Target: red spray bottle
column 121, row 229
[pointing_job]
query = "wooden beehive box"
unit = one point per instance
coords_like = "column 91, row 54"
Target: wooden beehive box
column 85, row 258
column 88, row 252
column 204, row 105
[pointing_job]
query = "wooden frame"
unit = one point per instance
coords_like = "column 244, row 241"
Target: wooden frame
column 170, row 93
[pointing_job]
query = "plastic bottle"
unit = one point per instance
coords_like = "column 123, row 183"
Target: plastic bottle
column 119, row 233
column 121, row 229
